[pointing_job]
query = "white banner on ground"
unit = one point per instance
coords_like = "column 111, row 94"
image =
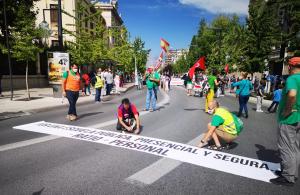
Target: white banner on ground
column 229, row 163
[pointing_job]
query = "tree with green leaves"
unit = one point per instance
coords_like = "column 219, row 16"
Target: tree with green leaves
column 25, row 43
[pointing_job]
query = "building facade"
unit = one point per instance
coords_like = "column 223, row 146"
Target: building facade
column 174, row 55
column 76, row 16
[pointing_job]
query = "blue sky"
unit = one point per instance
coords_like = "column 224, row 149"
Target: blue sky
column 174, row 20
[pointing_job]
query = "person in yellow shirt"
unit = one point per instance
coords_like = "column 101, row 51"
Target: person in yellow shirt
column 99, row 83
column 224, row 126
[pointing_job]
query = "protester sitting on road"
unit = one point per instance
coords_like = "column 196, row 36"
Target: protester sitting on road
column 71, row 84
column 224, row 125
column 245, row 86
column 276, row 99
column 289, row 127
column 128, row 117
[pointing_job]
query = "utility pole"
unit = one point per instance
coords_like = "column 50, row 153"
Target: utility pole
column 8, row 54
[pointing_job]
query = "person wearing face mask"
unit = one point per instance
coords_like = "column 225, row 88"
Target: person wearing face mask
column 99, row 83
column 152, row 79
column 71, row 85
column 224, row 127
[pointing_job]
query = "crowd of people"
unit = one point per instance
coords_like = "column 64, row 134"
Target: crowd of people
column 225, row 126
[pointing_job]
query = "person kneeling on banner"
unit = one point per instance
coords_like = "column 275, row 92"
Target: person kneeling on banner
column 128, row 117
column 224, row 125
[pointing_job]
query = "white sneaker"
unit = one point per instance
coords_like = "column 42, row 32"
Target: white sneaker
column 259, row 111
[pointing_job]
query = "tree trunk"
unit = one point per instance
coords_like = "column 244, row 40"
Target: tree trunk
column 27, row 87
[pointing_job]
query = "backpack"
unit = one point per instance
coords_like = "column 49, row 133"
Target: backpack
column 239, row 125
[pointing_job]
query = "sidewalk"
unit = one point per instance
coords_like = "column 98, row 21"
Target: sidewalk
column 253, row 100
column 41, row 100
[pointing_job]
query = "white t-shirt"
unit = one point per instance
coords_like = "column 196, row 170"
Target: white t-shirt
column 109, row 77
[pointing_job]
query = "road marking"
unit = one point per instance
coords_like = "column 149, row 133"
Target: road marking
column 216, row 160
column 29, row 142
column 158, row 169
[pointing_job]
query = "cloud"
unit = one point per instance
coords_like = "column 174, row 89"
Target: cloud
column 220, row 6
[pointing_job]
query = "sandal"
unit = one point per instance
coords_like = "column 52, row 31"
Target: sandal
column 214, row 147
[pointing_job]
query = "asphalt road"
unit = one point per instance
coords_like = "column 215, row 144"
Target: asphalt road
column 68, row 166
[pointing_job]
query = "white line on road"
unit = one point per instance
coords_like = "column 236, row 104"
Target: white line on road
column 158, row 169
column 29, row 142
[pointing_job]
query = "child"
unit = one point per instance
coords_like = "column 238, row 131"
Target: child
column 260, row 95
column 276, row 99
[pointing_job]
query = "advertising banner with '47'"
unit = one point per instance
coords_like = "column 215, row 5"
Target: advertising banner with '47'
column 58, row 63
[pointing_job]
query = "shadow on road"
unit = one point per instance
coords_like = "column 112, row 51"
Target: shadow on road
column 191, row 109
column 266, row 154
column 38, row 192
column 89, row 114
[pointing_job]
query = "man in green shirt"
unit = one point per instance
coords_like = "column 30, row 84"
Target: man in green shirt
column 152, row 81
column 289, row 127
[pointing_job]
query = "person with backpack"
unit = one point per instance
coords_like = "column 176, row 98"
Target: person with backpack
column 128, row 117
column 245, row 86
column 224, row 126
column 276, row 99
column 71, row 85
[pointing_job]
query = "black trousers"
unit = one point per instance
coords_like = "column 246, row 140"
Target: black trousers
column 129, row 122
column 271, row 106
column 72, row 97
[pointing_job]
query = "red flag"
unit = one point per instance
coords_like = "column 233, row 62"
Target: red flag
column 199, row 64
column 226, row 68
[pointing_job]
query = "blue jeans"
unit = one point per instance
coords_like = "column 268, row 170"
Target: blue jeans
column 108, row 88
column 151, row 98
column 98, row 94
column 243, row 100
column 72, row 97
column 87, row 88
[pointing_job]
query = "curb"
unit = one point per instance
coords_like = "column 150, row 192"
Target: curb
column 90, row 101
column 265, row 103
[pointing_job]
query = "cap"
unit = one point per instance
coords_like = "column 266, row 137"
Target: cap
column 295, row 61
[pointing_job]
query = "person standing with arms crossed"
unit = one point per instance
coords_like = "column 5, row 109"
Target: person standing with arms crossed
column 289, row 127
column 71, row 84
column 213, row 83
column 152, row 81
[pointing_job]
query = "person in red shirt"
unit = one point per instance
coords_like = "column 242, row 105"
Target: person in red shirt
column 128, row 117
column 87, row 82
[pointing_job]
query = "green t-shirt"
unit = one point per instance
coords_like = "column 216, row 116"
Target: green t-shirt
column 211, row 81
column 65, row 74
column 292, row 83
column 217, row 121
column 151, row 84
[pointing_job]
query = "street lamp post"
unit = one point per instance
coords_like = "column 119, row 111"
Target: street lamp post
column 59, row 23
column 8, row 54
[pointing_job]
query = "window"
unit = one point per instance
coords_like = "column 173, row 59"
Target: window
column 54, row 43
column 53, row 13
